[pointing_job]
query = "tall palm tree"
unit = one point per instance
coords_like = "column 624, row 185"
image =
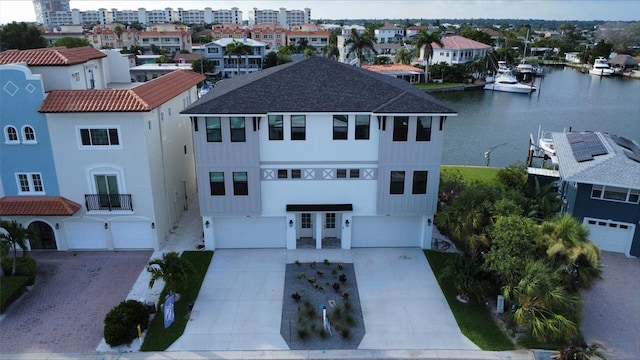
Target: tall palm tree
column 403, row 56
column 359, row 44
column 426, row 40
column 14, row 236
column 331, row 51
column 237, row 49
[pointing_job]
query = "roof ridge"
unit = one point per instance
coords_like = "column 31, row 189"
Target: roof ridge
column 139, row 98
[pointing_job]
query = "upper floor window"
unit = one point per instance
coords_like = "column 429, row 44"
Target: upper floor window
column 400, row 128
column 423, row 130
column 275, row 127
column 237, row 129
column 99, row 137
column 283, row 174
column 419, row 182
column 30, row 183
column 296, row 173
column 362, row 127
column 615, row 193
column 214, row 130
column 28, row 134
column 10, row 135
column 216, row 183
column 298, row 127
column 354, row 173
column 341, row 173
column 340, row 127
column 397, row 183
column 240, row 183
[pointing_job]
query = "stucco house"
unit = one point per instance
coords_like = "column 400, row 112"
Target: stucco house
column 600, row 186
column 328, row 152
column 93, row 165
column 227, row 65
column 457, row 50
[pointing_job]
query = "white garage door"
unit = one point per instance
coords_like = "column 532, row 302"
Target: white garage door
column 383, row 231
column 610, row 235
column 86, row 235
column 132, row 235
column 250, row 232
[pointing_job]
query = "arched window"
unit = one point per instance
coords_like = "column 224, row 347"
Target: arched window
column 28, row 134
column 10, row 135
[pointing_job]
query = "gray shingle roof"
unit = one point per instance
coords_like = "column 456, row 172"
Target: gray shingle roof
column 316, row 84
column 613, row 169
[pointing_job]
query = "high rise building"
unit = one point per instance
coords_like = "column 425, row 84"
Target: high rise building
column 44, row 9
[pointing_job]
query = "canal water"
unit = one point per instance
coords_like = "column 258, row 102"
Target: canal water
column 566, row 99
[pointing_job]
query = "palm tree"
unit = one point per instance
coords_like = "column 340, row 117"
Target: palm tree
column 331, row 51
column 426, row 40
column 12, row 237
column 359, row 43
column 172, row 268
column 403, row 56
column 238, row 49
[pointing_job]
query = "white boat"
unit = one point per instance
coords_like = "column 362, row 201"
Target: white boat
column 601, row 67
column 546, row 143
column 503, row 69
column 506, row 82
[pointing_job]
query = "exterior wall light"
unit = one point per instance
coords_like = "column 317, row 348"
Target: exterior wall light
column 206, row 224
column 57, row 226
column 290, row 223
column 153, row 225
column 428, row 222
column 106, row 226
column 346, row 223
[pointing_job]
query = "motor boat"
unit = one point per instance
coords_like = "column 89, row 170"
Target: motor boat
column 506, row 82
column 546, row 143
column 601, row 68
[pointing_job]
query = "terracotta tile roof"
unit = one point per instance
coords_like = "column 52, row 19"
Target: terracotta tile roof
column 145, row 97
column 37, row 206
column 456, row 42
column 54, row 56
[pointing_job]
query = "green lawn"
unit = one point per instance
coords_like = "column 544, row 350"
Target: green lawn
column 482, row 174
column 474, row 320
column 11, row 287
column 159, row 339
column 435, row 85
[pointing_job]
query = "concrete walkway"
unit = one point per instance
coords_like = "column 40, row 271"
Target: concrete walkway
column 240, row 302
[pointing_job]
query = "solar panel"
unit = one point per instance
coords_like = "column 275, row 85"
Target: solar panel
column 594, row 144
column 626, row 143
column 586, row 145
column 582, row 155
column 574, row 138
column 633, row 156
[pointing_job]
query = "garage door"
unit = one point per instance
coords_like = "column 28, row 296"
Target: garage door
column 610, row 235
column 250, row 232
column 132, row 235
column 384, row 231
column 87, row 235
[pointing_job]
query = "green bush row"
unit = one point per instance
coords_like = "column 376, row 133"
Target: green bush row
column 11, row 287
column 121, row 323
column 25, row 266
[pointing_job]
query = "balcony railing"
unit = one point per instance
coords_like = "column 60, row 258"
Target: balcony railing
column 108, row 202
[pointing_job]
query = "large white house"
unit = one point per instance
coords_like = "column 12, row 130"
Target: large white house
column 318, row 151
column 457, row 50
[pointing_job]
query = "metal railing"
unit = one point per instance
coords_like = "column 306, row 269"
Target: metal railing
column 108, row 202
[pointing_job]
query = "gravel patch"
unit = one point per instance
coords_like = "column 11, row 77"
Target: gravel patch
column 312, row 300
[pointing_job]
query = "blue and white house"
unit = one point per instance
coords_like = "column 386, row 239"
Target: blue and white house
column 600, row 186
column 227, row 65
column 318, row 152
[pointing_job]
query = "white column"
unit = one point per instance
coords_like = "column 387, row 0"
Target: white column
column 347, row 223
column 318, row 229
column 292, row 226
column 207, row 228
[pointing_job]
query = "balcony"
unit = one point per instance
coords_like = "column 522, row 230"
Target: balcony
column 102, row 202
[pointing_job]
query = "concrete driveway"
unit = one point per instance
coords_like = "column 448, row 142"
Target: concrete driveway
column 612, row 308
column 240, row 302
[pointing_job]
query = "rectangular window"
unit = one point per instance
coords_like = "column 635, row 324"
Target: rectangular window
column 282, row 174
column 30, row 183
column 214, row 129
column 298, row 127
column 354, row 173
column 240, row 183
column 108, row 193
column 615, row 193
column 341, row 173
column 330, row 220
column 275, row 127
column 362, row 127
column 305, row 219
column 397, row 183
column 400, row 128
column 99, row 137
column 340, row 127
column 237, row 129
column 423, row 130
column 216, row 183
column 296, row 174
column 419, row 182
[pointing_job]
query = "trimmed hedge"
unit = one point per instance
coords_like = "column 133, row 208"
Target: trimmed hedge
column 11, row 287
column 121, row 323
column 25, row 266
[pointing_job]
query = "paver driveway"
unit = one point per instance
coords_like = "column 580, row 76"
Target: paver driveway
column 65, row 310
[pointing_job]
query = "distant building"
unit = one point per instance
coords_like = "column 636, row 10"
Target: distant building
column 46, row 9
column 408, row 73
column 457, row 50
column 284, row 17
column 389, row 33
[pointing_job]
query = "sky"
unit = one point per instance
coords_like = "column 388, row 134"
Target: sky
column 608, row 10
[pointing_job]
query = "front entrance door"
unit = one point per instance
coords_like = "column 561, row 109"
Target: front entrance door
column 330, row 225
column 306, row 225
column 45, row 237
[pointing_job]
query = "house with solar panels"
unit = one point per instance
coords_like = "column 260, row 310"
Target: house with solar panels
column 600, row 186
column 91, row 161
column 319, row 154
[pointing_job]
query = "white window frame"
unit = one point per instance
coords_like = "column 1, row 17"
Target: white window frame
column 603, row 190
column 24, row 135
column 34, row 180
column 7, row 139
column 81, row 146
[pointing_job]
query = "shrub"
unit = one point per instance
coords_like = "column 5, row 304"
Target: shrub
column 120, row 324
column 345, row 333
column 11, row 287
column 320, row 273
column 296, row 296
column 343, row 278
column 336, row 286
column 25, row 266
column 345, row 294
column 303, row 333
column 327, row 262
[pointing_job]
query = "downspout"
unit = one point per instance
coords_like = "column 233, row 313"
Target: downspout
column 164, row 171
